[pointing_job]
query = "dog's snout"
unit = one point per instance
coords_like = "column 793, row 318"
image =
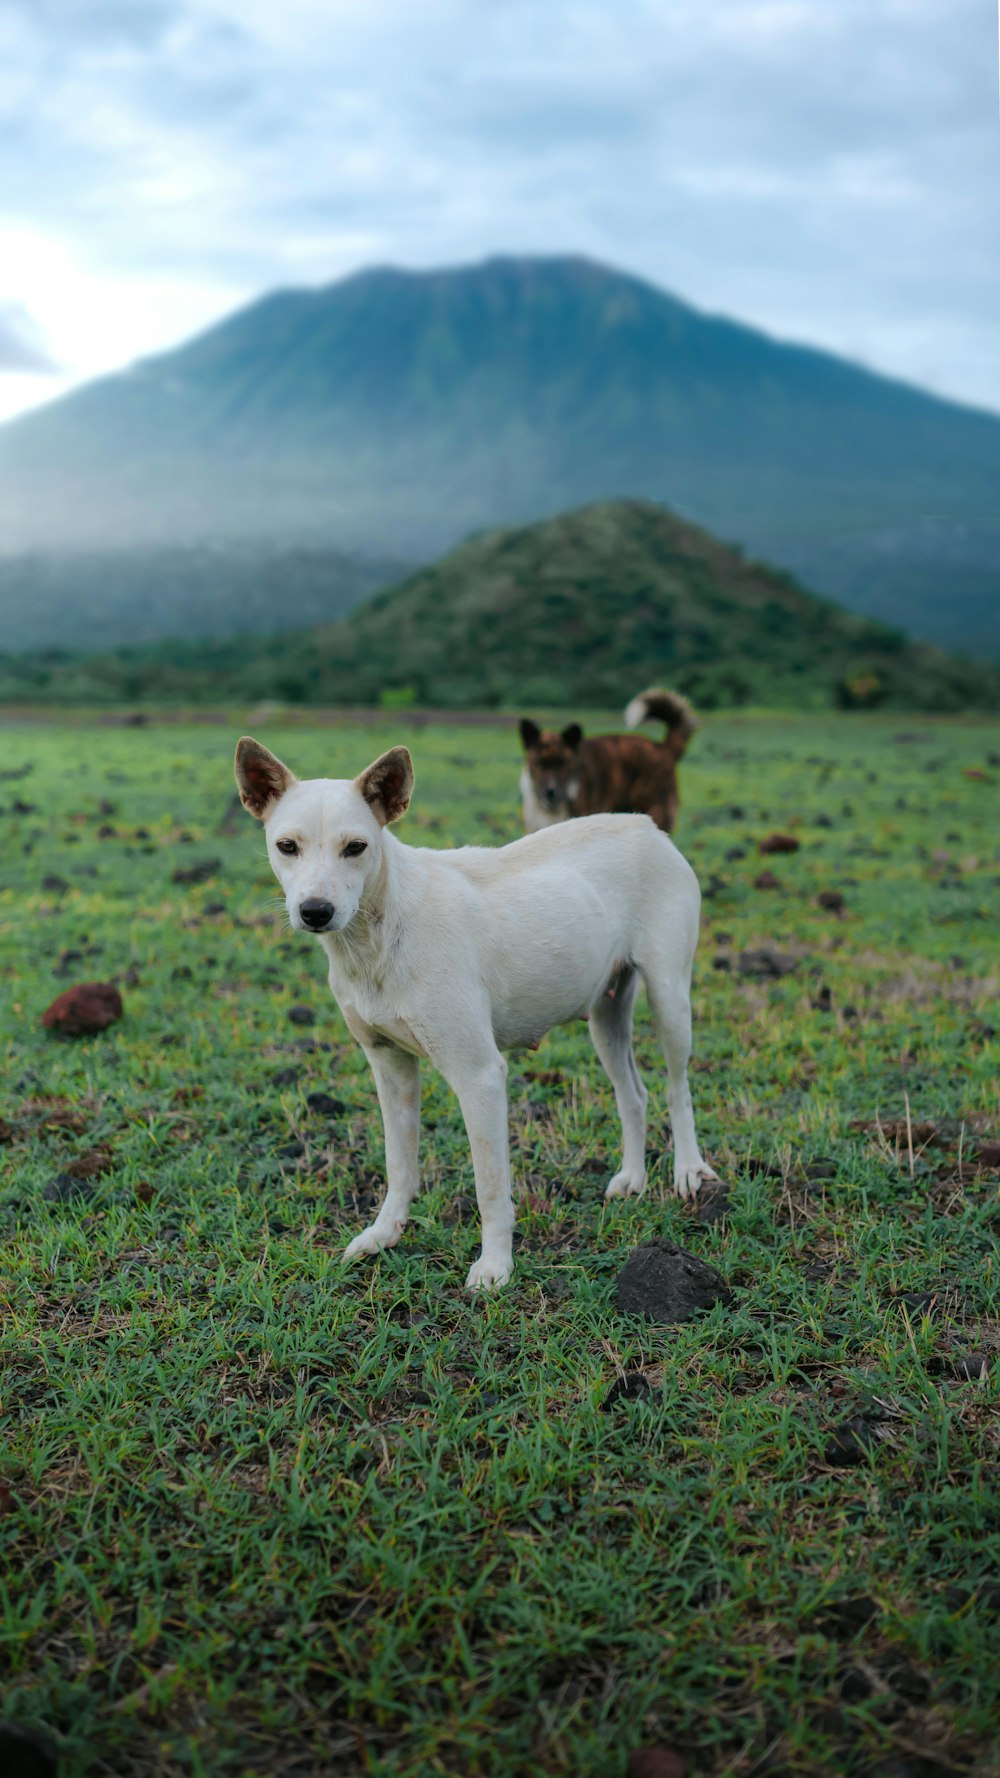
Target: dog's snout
column 551, row 793
column 316, row 914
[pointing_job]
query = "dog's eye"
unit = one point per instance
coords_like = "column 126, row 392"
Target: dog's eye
column 354, row 848
column 288, row 847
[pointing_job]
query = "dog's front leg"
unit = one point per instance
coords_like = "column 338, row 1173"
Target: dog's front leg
column 397, row 1080
column 481, row 1086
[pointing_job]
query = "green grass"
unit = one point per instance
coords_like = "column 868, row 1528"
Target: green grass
column 262, row 1515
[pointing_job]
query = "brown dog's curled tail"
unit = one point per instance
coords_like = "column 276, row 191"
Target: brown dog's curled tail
column 667, row 707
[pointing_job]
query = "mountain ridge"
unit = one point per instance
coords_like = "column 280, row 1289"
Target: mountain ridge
column 394, row 411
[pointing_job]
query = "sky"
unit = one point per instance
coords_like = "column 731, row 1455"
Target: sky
column 828, row 170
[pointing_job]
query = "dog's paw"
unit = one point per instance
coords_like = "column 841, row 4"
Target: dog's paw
column 688, row 1181
column 489, row 1274
column 626, row 1185
column 371, row 1240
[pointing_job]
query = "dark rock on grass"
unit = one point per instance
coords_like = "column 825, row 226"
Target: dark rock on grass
column 325, row 1105
column 666, row 1284
column 988, row 1155
column 970, row 1367
column 291, row 1151
column 197, row 873
column 982, row 1597
column 853, row 1442
column 54, row 885
column 823, row 1167
column 910, row 1685
column 655, row 1762
column 712, row 1203
column 83, row 1010
column 767, row 880
column 832, row 901
column 23, row 1754
column 766, row 963
column 906, row 1765
column 779, row 842
column 90, row 1165
column 64, row 963
column 916, row 1302
column 286, row 1077
column 67, row 1188
column 823, row 1001
column 633, row 1386
column 758, row 1168
column 302, row 1015
column 844, row 1619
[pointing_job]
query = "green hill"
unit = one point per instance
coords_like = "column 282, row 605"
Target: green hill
column 393, row 412
column 581, row 610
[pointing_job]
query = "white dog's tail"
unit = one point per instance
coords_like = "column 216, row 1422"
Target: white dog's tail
column 667, row 707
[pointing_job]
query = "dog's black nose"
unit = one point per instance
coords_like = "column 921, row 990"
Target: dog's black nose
column 316, row 914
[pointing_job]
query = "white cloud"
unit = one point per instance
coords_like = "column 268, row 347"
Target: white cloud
column 828, row 171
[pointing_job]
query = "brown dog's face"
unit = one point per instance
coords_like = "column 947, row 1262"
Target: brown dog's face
column 552, row 760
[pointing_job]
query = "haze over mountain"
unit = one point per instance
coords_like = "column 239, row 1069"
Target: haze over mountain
column 580, row 611
column 394, row 412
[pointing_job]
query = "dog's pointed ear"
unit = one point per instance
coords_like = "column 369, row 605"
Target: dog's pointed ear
column 529, row 732
column 260, row 778
column 387, row 785
column 573, row 735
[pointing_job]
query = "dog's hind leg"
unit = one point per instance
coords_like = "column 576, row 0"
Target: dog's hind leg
column 611, row 1031
column 397, row 1079
column 670, row 1003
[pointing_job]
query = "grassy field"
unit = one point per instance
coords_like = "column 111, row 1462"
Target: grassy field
column 260, row 1515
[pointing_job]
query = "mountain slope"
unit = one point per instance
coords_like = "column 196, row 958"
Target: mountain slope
column 99, row 599
column 581, row 610
column 393, row 412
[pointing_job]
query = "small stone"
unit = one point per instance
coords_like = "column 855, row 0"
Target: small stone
column 54, row 885
column 23, row 1754
column 832, row 901
column 823, row 1167
column 633, row 1386
column 286, row 1077
column 667, row 1284
column 916, row 1302
column 988, row 1155
column 655, row 1762
column 843, row 1619
column 83, row 1010
column 972, row 1366
column 765, row 963
column 767, row 880
column 325, row 1105
column 67, row 1188
column 302, row 1015
column 853, row 1442
column 197, row 873
column 712, row 1203
column 779, row 842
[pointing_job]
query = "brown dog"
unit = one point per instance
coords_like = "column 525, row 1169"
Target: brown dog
column 564, row 775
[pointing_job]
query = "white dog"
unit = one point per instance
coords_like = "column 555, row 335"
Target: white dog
column 457, row 956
